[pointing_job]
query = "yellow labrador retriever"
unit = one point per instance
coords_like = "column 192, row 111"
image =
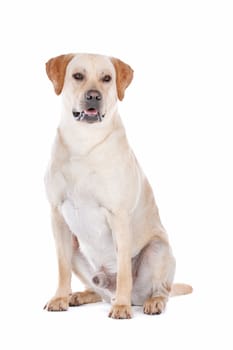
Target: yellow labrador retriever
column 105, row 220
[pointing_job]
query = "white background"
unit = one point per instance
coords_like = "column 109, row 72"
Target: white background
column 178, row 116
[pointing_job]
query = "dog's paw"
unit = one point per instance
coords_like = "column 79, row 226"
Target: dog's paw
column 121, row 312
column 57, row 304
column 154, row 305
column 80, row 298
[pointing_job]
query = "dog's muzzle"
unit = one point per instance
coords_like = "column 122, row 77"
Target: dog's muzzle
column 90, row 113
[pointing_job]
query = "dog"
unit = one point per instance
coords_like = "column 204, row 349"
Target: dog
column 105, row 221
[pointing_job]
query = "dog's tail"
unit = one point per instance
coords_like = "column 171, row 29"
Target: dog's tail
column 180, row 289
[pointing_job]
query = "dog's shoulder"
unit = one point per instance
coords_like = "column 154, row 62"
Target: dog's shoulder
column 55, row 181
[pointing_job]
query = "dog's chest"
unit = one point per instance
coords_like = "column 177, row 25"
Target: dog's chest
column 88, row 193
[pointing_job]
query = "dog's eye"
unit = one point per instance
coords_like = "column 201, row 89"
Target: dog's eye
column 106, row 78
column 78, row 76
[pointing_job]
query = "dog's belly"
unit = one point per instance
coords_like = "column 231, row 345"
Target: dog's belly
column 87, row 220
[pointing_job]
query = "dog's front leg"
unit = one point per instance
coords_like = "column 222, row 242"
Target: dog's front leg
column 121, row 305
column 63, row 241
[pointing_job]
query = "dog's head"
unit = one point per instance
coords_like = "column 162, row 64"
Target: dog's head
column 89, row 83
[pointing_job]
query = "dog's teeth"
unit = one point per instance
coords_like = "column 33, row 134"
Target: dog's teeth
column 80, row 116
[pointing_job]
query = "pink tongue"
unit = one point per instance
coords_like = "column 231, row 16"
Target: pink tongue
column 90, row 111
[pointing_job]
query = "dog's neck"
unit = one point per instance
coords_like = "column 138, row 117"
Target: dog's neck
column 81, row 138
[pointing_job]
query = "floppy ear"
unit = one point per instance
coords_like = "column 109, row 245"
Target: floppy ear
column 56, row 70
column 124, row 76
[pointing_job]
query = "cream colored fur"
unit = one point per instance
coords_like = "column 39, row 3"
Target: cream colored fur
column 105, row 219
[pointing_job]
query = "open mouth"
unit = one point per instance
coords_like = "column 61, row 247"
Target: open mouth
column 90, row 115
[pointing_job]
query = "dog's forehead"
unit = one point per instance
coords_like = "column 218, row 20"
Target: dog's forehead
column 91, row 63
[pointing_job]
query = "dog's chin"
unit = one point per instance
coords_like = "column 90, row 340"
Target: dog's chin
column 89, row 116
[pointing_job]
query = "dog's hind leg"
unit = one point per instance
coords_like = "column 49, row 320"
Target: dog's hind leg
column 154, row 270
column 83, row 270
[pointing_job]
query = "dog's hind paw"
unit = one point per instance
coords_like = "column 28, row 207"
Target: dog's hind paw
column 154, row 305
column 86, row 297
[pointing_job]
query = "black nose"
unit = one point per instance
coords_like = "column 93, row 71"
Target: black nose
column 93, row 95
